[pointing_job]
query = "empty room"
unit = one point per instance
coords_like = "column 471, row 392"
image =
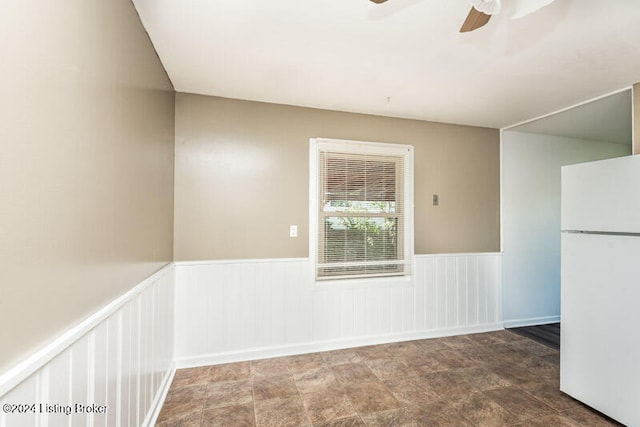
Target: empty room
column 320, row 213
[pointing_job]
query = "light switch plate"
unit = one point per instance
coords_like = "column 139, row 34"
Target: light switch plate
column 293, row 231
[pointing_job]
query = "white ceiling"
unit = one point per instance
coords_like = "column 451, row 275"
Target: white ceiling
column 607, row 119
column 403, row 58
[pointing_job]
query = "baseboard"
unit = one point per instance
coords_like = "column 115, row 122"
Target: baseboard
column 533, row 321
column 312, row 347
column 161, row 395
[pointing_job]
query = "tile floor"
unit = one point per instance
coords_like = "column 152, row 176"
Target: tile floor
column 490, row 379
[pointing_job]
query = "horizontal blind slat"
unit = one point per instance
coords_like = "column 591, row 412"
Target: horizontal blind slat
column 360, row 213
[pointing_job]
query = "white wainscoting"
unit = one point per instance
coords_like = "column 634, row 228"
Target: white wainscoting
column 121, row 357
column 239, row 310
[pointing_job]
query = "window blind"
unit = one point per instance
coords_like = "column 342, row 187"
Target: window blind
column 361, row 215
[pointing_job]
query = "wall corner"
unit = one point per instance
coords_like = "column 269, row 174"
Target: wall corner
column 635, row 119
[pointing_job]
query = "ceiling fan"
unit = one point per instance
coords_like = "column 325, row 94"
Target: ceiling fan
column 481, row 11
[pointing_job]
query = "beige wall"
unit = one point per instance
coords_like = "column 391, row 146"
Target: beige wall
column 242, row 168
column 86, row 164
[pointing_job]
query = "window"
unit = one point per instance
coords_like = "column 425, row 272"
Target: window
column 361, row 209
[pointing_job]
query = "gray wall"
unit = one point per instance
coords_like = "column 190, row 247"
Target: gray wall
column 86, row 165
column 531, row 219
column 242, row 177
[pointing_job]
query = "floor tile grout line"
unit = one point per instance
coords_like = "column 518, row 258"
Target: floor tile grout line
column 306, row 412
column 253, row 395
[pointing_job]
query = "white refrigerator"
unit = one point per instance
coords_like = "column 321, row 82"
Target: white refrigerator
column 600, row 288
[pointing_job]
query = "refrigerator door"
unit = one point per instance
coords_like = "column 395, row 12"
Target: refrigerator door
column 602, row 196
column 600, row 303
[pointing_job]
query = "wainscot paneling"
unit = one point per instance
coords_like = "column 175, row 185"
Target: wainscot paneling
column 121, row 358
column 238, row 310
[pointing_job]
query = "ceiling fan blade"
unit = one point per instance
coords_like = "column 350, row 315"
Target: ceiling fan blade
column 378, row 1
column 475, row 19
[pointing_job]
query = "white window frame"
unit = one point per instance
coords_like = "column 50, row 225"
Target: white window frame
column 341, row 145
